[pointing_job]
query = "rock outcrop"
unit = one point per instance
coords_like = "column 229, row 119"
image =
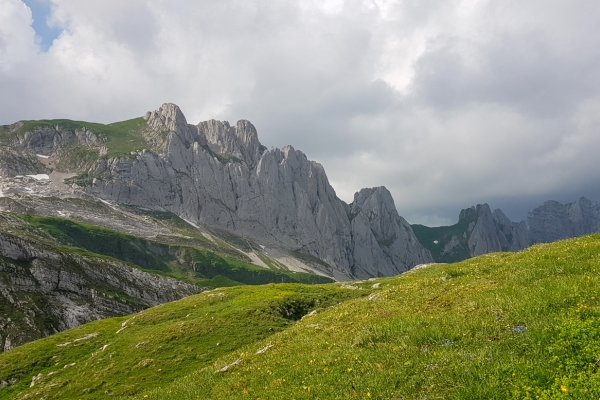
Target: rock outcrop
column 383, row 243
column 221, row 176
column 554, row 221
column 43, row 291
column 480, row 231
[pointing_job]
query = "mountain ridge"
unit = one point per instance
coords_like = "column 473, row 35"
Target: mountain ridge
column 220, row 175
column 480, row 231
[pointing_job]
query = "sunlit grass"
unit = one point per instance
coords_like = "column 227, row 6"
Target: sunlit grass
column 506, row 325
column 495, row 327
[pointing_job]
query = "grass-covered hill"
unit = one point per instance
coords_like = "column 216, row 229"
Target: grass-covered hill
column 58, row 273
column 505, row 325
column 436, row 239
column 191, row 258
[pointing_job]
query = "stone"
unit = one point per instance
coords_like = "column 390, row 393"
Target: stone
column 55, row 290
column 219, row 175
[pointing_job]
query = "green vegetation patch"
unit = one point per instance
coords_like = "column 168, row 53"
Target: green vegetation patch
column 131, row 355
column 443, row 235
column 180, row 261
column 500, row 326
column 121, row 137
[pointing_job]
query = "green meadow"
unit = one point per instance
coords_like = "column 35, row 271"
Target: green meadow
column 501, row 326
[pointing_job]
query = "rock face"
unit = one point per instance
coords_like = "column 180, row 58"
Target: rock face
column 43, row 291
column 494, row 232
column 383, row 243
column 554, row 221
column 221, row 176
column 480, row 231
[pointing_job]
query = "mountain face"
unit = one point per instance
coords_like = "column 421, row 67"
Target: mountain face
column 480, row 231
column 45, row 289
column 219, row 175
column 105, row 220
column 216, row 175
column 554, row 221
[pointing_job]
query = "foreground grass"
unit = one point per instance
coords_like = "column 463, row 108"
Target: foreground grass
column 127, row 355
column 500, row 326
column 506, row 325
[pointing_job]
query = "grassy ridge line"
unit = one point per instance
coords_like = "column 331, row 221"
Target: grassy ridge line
column 499, row 326
column 128, row 355
column 183, row 262
column 121, row 137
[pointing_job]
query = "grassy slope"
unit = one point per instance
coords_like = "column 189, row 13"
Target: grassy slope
column 161, row 343
column 122, row 137
column 183, row 262
column 503, row 325
column 443, row 234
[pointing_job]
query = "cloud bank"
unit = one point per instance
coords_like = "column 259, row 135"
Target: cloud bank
column 447, row 103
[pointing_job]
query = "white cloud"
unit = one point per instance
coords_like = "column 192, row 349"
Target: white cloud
column 447, row 103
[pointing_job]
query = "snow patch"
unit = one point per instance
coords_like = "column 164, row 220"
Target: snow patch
column 39, row 177
column 191, row 223
column 108, row 204
column 1, row 194
column 42, row 156
column 261, row 246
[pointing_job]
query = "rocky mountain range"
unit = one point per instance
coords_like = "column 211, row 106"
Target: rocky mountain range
column 217, row 175
column 104, row 220
column 480, row 231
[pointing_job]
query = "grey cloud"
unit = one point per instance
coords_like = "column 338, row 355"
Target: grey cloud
column 447, row 103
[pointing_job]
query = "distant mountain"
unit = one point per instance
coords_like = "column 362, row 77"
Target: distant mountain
column 480, row 231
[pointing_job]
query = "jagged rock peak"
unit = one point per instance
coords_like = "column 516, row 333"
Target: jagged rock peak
column 168, row 116
column 240, row 141
column 379, row 194
column 501, row 218
column 473, row 211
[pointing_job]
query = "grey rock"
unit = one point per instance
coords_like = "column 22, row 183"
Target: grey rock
column 49, row 291
column 383, row 242
column 489, row 232
column 495, row 232
column 221, row 176
column 553, row 220
column 15, row 162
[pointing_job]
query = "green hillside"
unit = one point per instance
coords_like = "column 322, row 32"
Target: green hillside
column 436, row 238
column 505, row 325
column 119, row 137
column 183, row 261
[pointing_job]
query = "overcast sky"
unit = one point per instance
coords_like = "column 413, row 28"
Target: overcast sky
column 446, row 103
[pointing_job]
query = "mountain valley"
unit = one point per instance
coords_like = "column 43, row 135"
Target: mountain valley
column 99, row 221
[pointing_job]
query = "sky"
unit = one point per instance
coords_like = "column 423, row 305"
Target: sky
column 447, row 103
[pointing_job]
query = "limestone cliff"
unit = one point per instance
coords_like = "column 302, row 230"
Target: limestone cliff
column 219, row 175
column 553, row 221
column 480, row 231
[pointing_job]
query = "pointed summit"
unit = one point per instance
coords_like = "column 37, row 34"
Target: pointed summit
column 167, row 117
